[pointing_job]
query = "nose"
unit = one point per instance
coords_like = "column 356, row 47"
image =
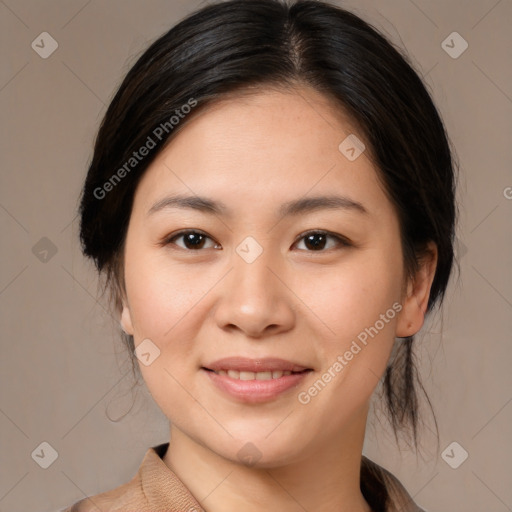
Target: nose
column 254, row 298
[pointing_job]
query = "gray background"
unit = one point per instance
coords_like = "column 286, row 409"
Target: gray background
column 65, row 376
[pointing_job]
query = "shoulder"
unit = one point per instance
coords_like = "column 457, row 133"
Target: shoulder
column 154, row 488
column 128, row 494
column 380, row 480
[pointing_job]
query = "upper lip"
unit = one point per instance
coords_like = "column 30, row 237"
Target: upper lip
column 255, row 365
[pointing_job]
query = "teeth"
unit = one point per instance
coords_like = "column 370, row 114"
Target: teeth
column 234, row 374
column 263, row 376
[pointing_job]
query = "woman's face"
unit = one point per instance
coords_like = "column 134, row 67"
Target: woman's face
column 255, row 281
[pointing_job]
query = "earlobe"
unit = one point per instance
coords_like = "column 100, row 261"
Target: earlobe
column 126, row 320
column 414, row 306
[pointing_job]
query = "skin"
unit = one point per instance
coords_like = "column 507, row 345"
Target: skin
column 292, row 302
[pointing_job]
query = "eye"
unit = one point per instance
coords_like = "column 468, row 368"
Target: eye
column 192, row 239
column 318, row 239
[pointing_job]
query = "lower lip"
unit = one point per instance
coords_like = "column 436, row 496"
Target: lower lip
column 255, row 391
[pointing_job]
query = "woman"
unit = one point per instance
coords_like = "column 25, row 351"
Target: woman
column 271, row 200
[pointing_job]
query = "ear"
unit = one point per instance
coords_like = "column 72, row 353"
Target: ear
column 126, row 319
column 415, row 302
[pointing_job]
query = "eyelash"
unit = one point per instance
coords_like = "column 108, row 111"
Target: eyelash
column 342, row 241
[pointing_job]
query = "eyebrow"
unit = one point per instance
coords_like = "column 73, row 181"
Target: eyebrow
column 290, row 208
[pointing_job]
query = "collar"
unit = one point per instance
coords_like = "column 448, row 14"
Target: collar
column 165, row 491
column 161, row 486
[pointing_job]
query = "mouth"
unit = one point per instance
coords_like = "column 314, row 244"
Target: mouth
column 254, row 380
column 261, row 375
column 244, row 365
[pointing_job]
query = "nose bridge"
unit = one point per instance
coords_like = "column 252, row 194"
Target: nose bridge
column 254, row 298
column 253, row 281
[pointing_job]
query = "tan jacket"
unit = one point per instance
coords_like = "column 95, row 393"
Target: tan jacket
column 155, row 488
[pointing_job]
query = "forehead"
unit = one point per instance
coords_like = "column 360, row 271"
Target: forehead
column 269, row 145
column 270, row 121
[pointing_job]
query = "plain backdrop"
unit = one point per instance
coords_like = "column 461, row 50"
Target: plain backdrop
column 65, row 376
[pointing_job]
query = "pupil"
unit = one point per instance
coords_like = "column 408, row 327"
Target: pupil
column 316, row 245
column 194, row 239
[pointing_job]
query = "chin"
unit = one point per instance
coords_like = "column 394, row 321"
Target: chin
column 253, row 449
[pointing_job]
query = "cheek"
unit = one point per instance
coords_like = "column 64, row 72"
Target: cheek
column 161, row 294
column 359, row 306
column 351, row 296
column 165, row 302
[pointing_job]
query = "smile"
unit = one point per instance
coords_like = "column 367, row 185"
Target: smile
column 254, row 387
column 243, row 375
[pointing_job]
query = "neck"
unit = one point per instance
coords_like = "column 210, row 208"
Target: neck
column 324, row 479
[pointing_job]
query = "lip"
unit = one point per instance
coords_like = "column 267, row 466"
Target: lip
column 255, row 391
column 255, row 365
